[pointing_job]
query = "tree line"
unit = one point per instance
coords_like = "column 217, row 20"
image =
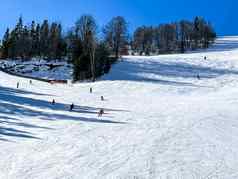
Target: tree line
column 91, row 52
column 173, row 37
column 37, row 40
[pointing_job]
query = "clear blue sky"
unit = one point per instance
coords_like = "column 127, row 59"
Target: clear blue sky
column 222, row 13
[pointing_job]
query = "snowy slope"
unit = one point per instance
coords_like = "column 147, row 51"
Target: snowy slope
column 39, row 68
column 160, row 121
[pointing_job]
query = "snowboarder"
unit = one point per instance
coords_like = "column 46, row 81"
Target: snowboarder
column 102, row 98
column 101, row 112
column 18, row 84
column 91, row 90
column 72, row 107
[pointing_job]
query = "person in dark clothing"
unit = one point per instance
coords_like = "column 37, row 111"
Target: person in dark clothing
column 101, row 112
column 198, row 77
column 53, row 102
column 18, row 84
column 30, row 82
column 72, row 107
column 102, row 98
column 91, row 90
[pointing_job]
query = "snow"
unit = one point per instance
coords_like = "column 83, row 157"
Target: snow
column 160, row 122
column 39, row 68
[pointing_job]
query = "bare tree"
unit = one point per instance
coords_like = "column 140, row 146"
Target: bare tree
column 144, row 40
column 86, row 30
column 116, row 34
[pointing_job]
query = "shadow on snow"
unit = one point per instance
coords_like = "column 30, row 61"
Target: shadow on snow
column 221, row 45
column 152, row 71
column 13, row 104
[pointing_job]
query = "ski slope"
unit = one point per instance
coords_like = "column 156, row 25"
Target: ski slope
column 161, row 121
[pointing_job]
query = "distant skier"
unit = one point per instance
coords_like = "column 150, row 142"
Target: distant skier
column 102, row 98
column 72, row 107
column 30, row 82
column 205, row 58
column 53, row 102
column 101, row 112
column 18, row 84
column 198, row 77
column 91, row 90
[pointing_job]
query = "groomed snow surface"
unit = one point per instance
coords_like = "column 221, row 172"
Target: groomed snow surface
column 161, row 121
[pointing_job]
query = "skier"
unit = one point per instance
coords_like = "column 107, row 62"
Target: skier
column 72, row 107
column 100, row 113
column 91, row 90
column 18, row 85
column 205, row 58
column 102, row 98
column 198, row 77
column 30, row 82
column 53, row 102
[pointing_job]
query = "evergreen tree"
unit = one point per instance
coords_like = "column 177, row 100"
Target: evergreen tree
column 53, row 40
column 74, row 46
column 26, row 43
column 6, row 44
column 102, row 59
column 37, row 42
column 81, row 68
column 61, row 50
column 33, row 40
column 12, row 53
column 44, row 39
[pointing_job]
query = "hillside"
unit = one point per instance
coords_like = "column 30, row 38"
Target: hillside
column 161, row 120
column 39, row 68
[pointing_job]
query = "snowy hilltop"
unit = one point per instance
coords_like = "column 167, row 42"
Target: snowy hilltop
column 169, row 116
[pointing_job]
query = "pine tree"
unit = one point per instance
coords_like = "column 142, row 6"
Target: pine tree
column 6, row 44
column 19, row 48
column 26, row 43
column 37, row 42
column 61, row 46
column 53, row 40
column 102, row 59
column 13, row 45
column 44, row 39
column 81, row 68
column 33, row 40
